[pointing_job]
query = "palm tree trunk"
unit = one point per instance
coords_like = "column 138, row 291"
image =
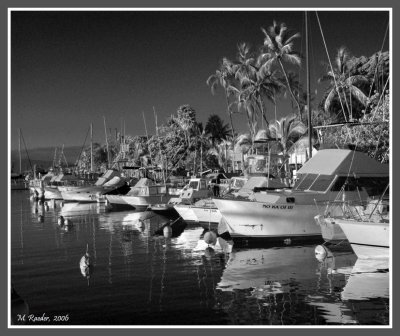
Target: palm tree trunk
column 230, row 114
column 289, row 88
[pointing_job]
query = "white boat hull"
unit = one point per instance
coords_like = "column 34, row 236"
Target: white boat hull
column 139, row 203
column 368, row 239
column 79, row 194
column 186, row 212
column 52, row 193
column 207, row 215
column 331, row 232
column 268, row 220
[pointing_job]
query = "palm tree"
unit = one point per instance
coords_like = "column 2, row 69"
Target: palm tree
column 287, row 131
column 344, row 84
column 279, row 45
column 216, row 129
column 223, row 77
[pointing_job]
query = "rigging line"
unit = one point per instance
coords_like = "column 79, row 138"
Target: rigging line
column 330, row 64
column 83, row 146
column 27, row 154
column 380, row 54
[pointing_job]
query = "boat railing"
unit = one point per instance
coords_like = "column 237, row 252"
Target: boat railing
column 377, row 210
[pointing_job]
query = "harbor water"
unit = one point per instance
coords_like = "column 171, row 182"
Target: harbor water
column 141, row 274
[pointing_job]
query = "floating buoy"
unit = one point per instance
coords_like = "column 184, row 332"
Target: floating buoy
column 320, row 252
column 210, row 237
column 60, row 221
column 167, row 231
column 84, row 263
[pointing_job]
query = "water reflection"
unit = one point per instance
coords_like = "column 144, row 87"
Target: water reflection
column 146, row 277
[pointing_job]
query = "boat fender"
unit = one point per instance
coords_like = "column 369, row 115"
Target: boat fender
column 60, row 221
column 210, row 238
column 167, row 231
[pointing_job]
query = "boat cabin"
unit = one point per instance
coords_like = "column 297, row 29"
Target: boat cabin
column 196, row 189
column 342, row 170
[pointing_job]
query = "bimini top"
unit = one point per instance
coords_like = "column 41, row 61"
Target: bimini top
column 343, row 162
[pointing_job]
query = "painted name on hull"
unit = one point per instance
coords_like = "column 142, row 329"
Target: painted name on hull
column 282, row 207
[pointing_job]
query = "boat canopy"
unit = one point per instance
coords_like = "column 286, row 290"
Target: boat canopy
column 343, row 162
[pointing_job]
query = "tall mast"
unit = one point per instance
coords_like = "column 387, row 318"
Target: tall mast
column 308, row 90
column 108, row 151
column 145, row 127
column 19, row 151
column 91, row 147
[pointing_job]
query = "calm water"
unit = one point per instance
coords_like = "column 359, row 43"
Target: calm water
column 139, row 277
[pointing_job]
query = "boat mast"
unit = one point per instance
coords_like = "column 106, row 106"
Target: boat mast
column 308, row 90
column 19, row 151
column 108, row 151
column 91, row 147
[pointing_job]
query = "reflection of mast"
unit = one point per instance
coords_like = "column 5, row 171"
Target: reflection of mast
column 308, row 90
column 109, row 259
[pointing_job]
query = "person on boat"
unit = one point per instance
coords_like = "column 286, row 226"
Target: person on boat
column 217, row 181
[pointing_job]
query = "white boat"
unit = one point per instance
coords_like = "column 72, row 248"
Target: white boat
column 374, row 210
column 196, row 190
column 142, row 195
column 109, row 182
column 290, row 213
column 369, row 239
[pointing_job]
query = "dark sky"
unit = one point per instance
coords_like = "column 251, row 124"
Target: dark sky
column 71, row 68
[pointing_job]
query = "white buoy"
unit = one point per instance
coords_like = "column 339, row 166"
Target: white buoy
column 167, row 231
column 210, row 237
column 320, row 252
column 84, row 263
column 60, row 221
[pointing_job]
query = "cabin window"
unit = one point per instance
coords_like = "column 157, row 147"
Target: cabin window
column 306, row 182
column 344, row 183
column 322, row 183
column 193, row 184
column 374, row 185
column 203, row 184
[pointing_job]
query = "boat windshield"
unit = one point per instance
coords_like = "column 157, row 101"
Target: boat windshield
column 315, row 182
column 193, row 184
column 373, row 185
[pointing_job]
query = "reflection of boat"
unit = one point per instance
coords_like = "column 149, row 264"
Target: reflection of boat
column 79, row 209
column 290, row 213
column 369, row 279
column 268, row 270
column 18, row 182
